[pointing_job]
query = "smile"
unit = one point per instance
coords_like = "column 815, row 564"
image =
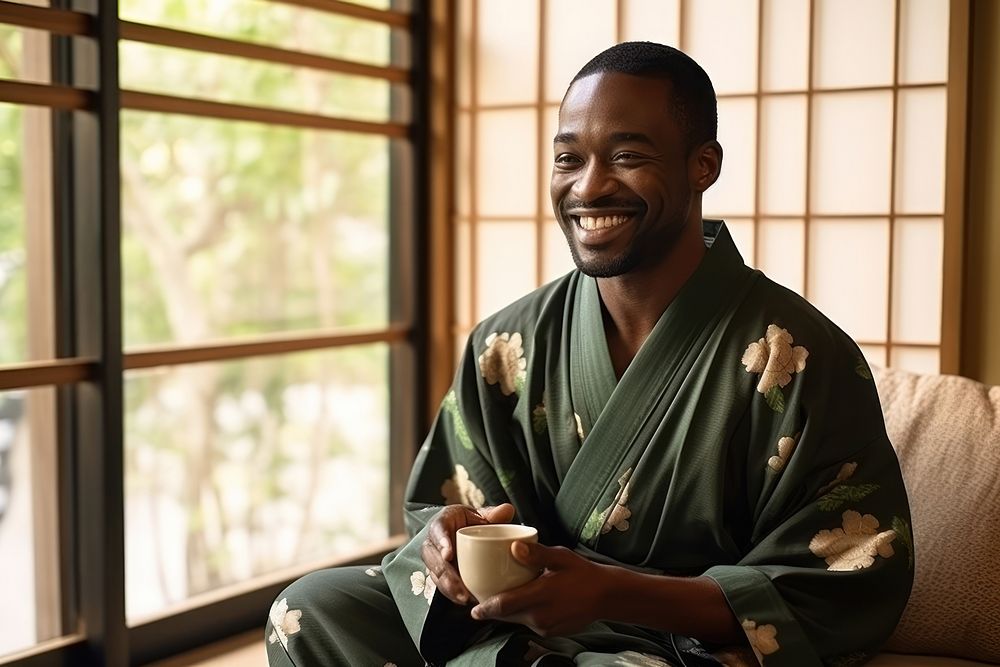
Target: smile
column 603, row 222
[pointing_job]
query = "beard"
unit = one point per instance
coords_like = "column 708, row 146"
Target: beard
column 603, row 267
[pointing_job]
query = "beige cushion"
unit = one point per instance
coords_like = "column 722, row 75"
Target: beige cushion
column 946, row 431
column 899, row 660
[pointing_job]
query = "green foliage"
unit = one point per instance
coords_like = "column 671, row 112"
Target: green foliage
column 451, row 407
column 905, row 535
column 775, row 399
column 845, row 493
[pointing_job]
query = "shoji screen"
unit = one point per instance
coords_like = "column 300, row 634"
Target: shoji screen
column 832, row 115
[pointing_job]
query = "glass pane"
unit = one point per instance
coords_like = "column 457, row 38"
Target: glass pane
column 464, row 280
column 184, row 73
column 24, row 54
column 785, row 63
column 851, row 152
column 505, row 264
column 920, row 147
column 923, row 41
column 917, row 274
column 780, row 252
column 875, row 355
column 556, row 260
column 234, row 470
column 507, row 59
column 272, row 23
column 855, row 299
column 29, row 543
column 506, row 162
column 722, row 36
column 733, row 193
column 783, row 154
column 573, row 37
column 742, row 232
column 842, row 26
column 463, row 162
column 651, row 20
column 27, row 327
column 234, row 229
column 923, row 360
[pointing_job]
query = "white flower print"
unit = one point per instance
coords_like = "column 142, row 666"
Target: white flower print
column 389, row 664
column 774, row 358
column 285, row 621
column 503, row 361
column 579, row 426
column 853, row 546
column 786, row 446
column 619, row 512
column 460, row 490
column 422, row 584
column 763, row 638
column 373, row 571
column 636, row 659
column 845, row 473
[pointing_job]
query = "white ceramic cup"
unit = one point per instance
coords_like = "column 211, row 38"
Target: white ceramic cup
column 484, row 560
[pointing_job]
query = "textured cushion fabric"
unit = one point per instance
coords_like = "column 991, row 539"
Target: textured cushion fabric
column 899, row 660
column 946, row 431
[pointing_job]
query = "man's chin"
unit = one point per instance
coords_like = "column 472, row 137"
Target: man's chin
column 600, row 267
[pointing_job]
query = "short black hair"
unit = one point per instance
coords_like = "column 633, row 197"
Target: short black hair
column 694, row 108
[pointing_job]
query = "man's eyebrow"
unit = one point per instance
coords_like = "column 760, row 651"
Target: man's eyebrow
column 617, row 137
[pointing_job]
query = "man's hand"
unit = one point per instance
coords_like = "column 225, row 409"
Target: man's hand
column 438, row 550
column 564, row 600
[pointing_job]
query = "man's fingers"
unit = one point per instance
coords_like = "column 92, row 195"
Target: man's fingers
column 499, row 514
column 540, row 556
column 444, row 575
column 439, row 533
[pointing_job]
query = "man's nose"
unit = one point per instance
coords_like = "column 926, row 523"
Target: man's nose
column 593, row 182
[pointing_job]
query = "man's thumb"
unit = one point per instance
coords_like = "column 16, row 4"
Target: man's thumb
column 499, row 514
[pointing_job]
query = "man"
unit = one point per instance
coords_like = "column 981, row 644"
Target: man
column 702, row 452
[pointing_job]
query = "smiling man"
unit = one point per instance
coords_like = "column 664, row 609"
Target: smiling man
column 702, row 452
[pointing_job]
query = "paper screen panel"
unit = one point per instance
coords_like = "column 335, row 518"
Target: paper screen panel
column 851, row 152
column 733, row 193
column 741, row 230
column 506, row 162
column 556, row 259
column 550, row 114
column 920, row 148
column 463, row 273
column 721, row 35
column 505, row 264
column 463, row 159
column 651, row 20
column 463, row 56
column 573, row 35
column 779, row 252
column 917, row 280
column 923, row 45
column 783, row 155
column 848, row 271
column 785, row 64
column 855, row 41
column 507, row 60
column 875, row 355
column 924, row 360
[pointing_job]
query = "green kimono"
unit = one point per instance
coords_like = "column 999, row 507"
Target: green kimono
column 744, row 442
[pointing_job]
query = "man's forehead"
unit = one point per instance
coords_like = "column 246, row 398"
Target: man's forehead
column 604, row 87
column 614, row 98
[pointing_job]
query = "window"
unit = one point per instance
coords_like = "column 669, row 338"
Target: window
column 210, row 291
column 833, row 115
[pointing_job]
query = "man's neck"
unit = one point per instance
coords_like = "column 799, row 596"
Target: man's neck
column 634, row 302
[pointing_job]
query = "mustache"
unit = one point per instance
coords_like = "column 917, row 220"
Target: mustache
column 607, row 202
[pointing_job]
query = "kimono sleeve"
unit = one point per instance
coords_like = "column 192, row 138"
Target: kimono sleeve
column 450, row 468
column 830, row 563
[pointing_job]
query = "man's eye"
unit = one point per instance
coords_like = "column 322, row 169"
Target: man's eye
column 625, row 156
column 567, row 160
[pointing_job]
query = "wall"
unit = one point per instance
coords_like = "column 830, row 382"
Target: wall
column 981, row 305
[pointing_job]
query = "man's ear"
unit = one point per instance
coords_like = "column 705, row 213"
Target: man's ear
column 704, row 165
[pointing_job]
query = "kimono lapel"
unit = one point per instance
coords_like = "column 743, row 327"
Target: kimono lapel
column 626, row 415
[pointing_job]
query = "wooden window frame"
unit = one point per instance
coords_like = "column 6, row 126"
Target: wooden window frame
column 89, row 367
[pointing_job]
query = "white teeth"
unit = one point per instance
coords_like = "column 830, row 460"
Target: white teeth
column 602, row 222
